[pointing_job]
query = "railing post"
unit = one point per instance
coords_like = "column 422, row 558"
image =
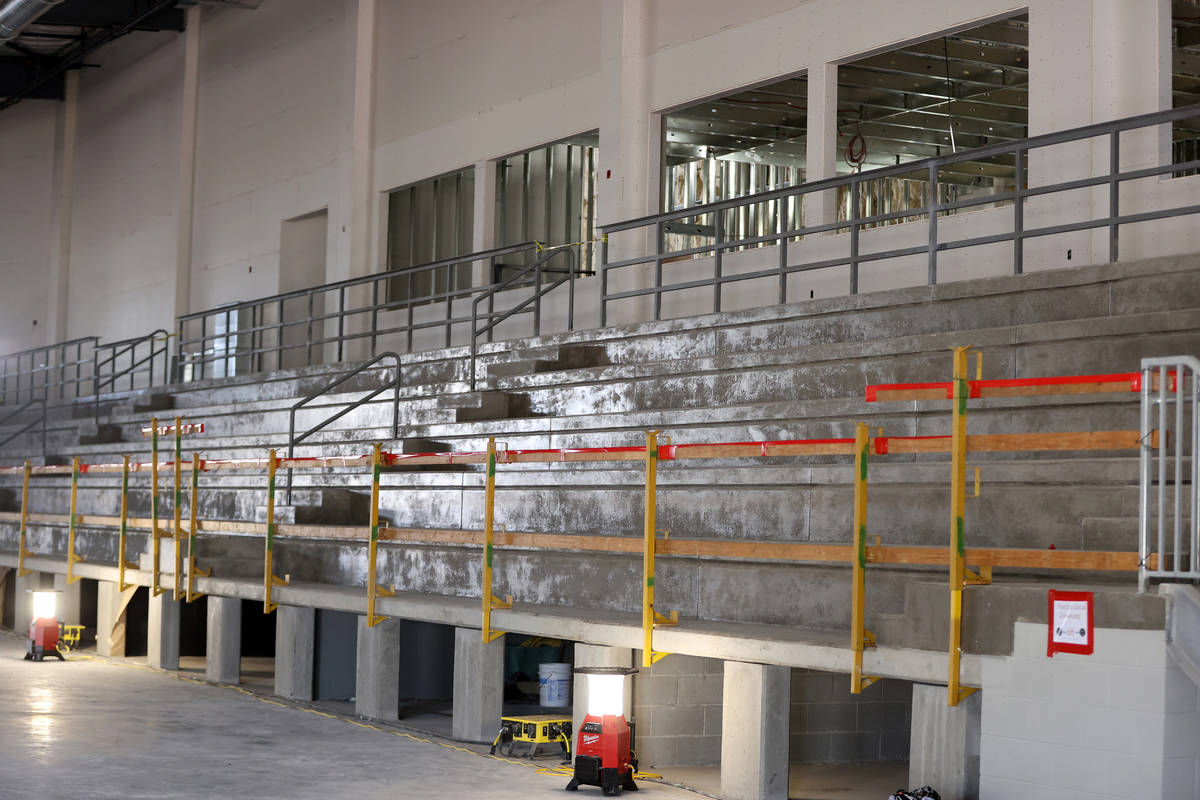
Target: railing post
column 718, row 253
column 1145, row 450
column 603, row 280
column 933, row 231
column 1019, row 213
column 374, row 315
column 22, row 551
column 308, row 329
column 660, row 239
column 178, row 507
column 854, row 198
column 783, row 255
column 860, row 637
column 537, row 296
column 270, row 580
column 650, row 614
column 1114, row 193
column 156, row 535
column 193, row 570
column 73, row 559
column 373, row 588
column 489, row 600
column 341, row 323
column 122, row 561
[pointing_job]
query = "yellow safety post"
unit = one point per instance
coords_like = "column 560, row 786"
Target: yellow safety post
column 958, row 496
column 122, row 563
column 270, row 580
column 178, row 508
column 22, row 552
column 192, row 570
column 72, row 559
column 490, row 601
column 860, row 637
column 373, row 588
column 650, row 616
column 156, row 534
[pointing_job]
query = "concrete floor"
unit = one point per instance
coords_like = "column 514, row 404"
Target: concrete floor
column 103, row 729
column 811, row 781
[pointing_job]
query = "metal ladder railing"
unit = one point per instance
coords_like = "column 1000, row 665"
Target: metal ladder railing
column 1168, row 501
column 393, row 384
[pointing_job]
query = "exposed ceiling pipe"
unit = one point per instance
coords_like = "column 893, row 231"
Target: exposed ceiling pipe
column 16, row 14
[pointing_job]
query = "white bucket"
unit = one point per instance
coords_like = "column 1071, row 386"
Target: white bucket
column 554, row 684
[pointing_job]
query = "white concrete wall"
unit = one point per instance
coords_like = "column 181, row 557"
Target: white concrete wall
column 26, row 187
column 1123, row 722
column 280, row 132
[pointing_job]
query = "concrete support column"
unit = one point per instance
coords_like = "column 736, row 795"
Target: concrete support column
column 483, row 234
column 598, row 655
column 64, row 201
column 69, row 599
column 478, row 686
column 223, row 648
column 186, row 195
column 755, row 716
column 110, row 618
column 821, row 157
column 295, row 648
column 162, row 632
column 945, row 743
column 23, row 600
column 377, row 679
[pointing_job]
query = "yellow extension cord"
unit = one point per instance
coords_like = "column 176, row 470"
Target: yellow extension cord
column 556, row 771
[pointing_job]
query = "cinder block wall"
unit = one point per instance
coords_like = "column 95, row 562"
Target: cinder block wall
column 677, row 705
column 830, row 725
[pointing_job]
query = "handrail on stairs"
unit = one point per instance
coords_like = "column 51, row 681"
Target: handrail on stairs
column 117, row 350
column 20, row 410
column 537, row 269
column 393, row 384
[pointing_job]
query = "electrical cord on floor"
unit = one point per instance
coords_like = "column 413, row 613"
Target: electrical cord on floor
column 563, row 771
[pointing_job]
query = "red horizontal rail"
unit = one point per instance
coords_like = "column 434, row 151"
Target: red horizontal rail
column 981, row 388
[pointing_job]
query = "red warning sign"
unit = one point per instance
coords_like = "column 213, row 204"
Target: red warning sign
column 1071, row 623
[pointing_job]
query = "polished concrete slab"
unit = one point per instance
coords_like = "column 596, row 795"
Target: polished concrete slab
column 109, row 729
column 874, row 781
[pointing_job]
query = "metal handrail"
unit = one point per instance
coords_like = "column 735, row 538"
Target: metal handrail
column 46, row 368
column 16, row 413
column 393, row 384
column 495, row 318
column 930, row 210
column 119, row 349
column 314, row 320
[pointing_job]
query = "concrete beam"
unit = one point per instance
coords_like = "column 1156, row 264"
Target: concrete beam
column 755, row 717
column 223, row 649
column 110, row 618
column 478, row 686
column 295, row 644
column 162, row 632
column 377, row 681
column 944, row 750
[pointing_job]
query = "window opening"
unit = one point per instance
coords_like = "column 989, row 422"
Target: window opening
column 430, row 221
column 1185, row 82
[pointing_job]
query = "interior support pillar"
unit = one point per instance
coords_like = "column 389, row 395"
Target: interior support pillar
column 110, row 618
column 821, row 158
column 162, row 633
column 69, row 599
column 63, row 205
column 377, row 681
column 755, row 718
column 186, row 186
column 478, row 686
column 223, row 649
column 597, row 655
column 945, row 742
column 483, row 234
column 295, row 649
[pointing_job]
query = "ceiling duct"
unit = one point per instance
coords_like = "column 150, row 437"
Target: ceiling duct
column 16, row 14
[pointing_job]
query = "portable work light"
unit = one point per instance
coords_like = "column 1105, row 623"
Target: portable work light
column 43, row 629
column 602, row 754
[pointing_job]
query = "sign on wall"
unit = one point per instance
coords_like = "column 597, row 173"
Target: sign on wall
column 1071, row 625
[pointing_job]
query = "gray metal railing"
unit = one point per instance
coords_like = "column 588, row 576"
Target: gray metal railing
column 1168, row 501
column 294, row 329
column 393, row 384
column 141, row 362
column 33, row 422
column 54, row 373
column 531, row 276
column 853, row 257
